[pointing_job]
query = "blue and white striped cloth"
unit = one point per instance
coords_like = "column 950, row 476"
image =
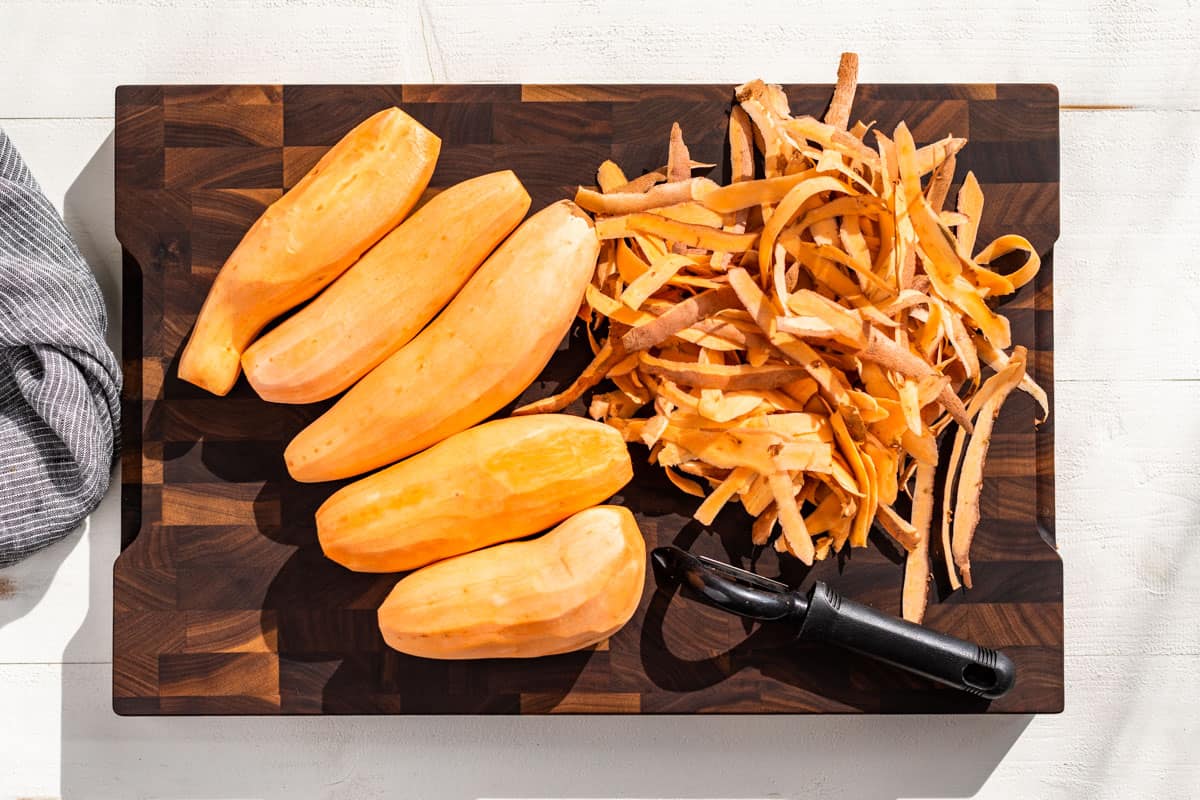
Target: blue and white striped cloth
column 60, row 385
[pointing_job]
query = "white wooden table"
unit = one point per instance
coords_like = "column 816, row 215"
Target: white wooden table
column 1128, row 402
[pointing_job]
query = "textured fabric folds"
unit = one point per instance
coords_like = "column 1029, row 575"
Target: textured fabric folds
column 60, row 384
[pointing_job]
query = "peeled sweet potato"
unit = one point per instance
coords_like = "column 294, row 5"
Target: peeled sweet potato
column 361, row 189
column 573, row 587
column 498, row 481
column 483, row 350
column 382, row 301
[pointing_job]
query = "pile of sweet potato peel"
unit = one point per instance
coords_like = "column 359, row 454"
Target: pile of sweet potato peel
column 797, row 340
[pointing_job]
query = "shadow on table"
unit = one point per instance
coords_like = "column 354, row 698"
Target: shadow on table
column 24, row 584
column 105, row 756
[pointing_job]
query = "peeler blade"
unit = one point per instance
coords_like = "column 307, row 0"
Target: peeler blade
column 743, row 576
column 726, row 587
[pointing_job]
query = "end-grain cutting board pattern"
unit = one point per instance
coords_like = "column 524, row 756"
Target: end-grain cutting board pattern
column 222, row 601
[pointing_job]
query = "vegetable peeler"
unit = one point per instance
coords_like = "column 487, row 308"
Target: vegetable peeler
column 822, row 615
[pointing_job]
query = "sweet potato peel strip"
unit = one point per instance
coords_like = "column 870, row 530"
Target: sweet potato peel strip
column 797, row 340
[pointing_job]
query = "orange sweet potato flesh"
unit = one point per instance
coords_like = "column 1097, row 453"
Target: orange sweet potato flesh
column 498, row 481
column 573, row 587
column 478, row 355
column 361, row 189
column 382, row 301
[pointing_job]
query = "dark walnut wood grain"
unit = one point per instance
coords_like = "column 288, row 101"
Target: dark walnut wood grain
column 223, row 603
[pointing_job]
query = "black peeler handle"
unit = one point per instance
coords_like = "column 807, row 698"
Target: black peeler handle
column 825, row 616
column 938, row 656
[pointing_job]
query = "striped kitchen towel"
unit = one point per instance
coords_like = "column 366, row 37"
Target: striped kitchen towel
column 60, row 384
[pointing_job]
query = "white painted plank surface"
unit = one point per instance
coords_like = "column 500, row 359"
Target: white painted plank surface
column 1128, row 414
column 1126, row 278
column 1128, row 507
column 63, row 59
column 1098, row 53
column 1096, row 749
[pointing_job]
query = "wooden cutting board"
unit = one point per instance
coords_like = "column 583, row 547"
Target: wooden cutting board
column 223, row 603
